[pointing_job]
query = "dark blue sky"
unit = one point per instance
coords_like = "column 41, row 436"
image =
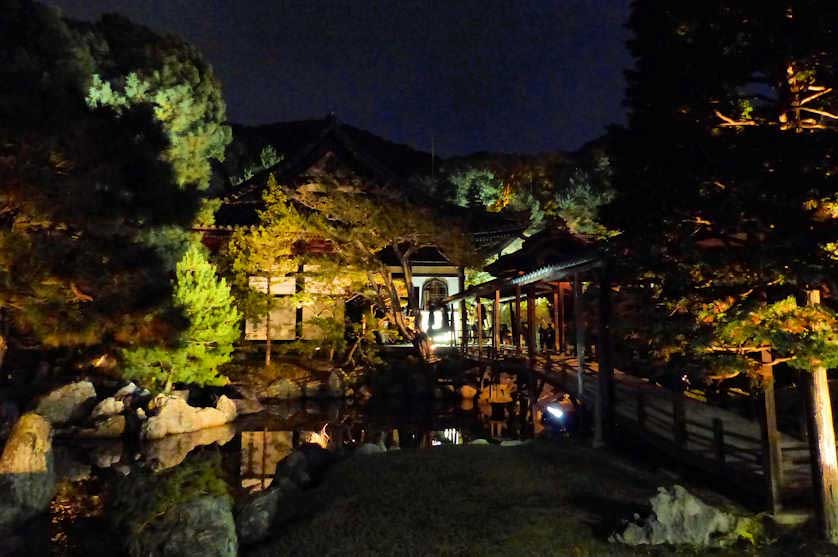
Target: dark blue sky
column 515, row 76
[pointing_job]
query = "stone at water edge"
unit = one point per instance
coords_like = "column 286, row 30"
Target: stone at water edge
column 282, row 389
column 66, row 404
column 314, row 389
column 127, row 390
column 479, row 442
column 371, row 448
column 265, row 510
column 174, row 415
column 336, row 384
column 111, row 427
column 173, row 449
column 107, row 407
column 246, row 406
column 679, row 517
column 27, row 470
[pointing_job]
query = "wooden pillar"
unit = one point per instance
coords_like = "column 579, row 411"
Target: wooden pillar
column 516, row 321
column 605, row 391
column 479, row 316
column 496, row 323
column 461, row 279
column 578, row 311
column 771, row 450
column 531, row 330
column 557, row 318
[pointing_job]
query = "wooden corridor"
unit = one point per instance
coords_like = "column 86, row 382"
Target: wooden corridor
column 727, row 446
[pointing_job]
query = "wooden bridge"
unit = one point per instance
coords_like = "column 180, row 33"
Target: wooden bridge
column 721, row 443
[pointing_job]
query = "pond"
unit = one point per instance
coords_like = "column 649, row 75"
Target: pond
column 109, row 489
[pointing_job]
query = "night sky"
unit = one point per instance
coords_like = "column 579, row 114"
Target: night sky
column 513, row 76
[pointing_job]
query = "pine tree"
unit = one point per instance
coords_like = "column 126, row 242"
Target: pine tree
column 207, row 341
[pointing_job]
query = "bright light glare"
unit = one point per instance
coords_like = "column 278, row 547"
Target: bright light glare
column 555, row 411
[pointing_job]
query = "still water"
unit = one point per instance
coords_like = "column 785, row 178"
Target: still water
column 87, row 517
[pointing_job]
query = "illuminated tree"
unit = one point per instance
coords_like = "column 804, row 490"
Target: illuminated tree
column 728, row 188
column 195, row 354
column 85, row 189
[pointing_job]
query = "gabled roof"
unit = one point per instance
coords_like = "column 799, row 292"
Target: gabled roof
column 552, row 246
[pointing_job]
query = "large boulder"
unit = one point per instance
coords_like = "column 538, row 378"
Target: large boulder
column 679, row 517
column 283, row 389
column 305, row 466
column 67, row 404
column 27, row 470
column 175, row 415
column 200, row 527
column 272, row 507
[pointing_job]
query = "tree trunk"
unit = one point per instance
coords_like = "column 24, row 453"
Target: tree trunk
column 822, row 447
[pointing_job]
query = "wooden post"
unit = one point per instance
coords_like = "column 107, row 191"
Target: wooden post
column 822, row 447
column 605, row 392
column 580, row 336
column 516, row 322
column 479, row 316
column 461, row 279
column 719, row 442
column 496, row 323
column 557, row 318
column 531, row 330
column 771, row 451
column 563, row 319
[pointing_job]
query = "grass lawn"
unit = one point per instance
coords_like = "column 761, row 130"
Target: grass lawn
column 538, row 499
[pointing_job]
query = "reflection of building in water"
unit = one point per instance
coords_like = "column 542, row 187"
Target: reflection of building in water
column 260, row 452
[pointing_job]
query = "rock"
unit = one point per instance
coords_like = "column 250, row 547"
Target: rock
column 371, row 448
column 141, row 414
column 679, row 517
column 111, row 427
column 293, row 468
column 283, row 389
column 107, row 407
column 107, row 454
column 200, row 527
column 265, row 510
column 314, row 389
column 479, row 442
column 512, row 443
column 467, row 392
column 174, row 415
column 128, row 390
column 67, row 404
column 245, row 406
column 182, row 393
column 27, row 470
column 349, row 393
column 365, row 392
column 335, row 386
column 173, row 449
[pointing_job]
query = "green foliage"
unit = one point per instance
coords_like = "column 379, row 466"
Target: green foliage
column 138, row 67
column 727, row 189
column 477, row 187
column 82, row 191
column 268, row 157
column 577, row 203
column 205, row 344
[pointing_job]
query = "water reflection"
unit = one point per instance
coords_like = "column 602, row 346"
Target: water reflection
column 248, row 450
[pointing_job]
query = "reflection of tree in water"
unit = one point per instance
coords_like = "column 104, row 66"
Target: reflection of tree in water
column 155, row 511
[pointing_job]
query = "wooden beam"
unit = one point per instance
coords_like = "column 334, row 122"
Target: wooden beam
column 579, row 316
column 771, row 450
column 557, row 318
column 461, row 279
column 516, row 321
column 531, row 329
column 496, row 324
column 479, row 316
